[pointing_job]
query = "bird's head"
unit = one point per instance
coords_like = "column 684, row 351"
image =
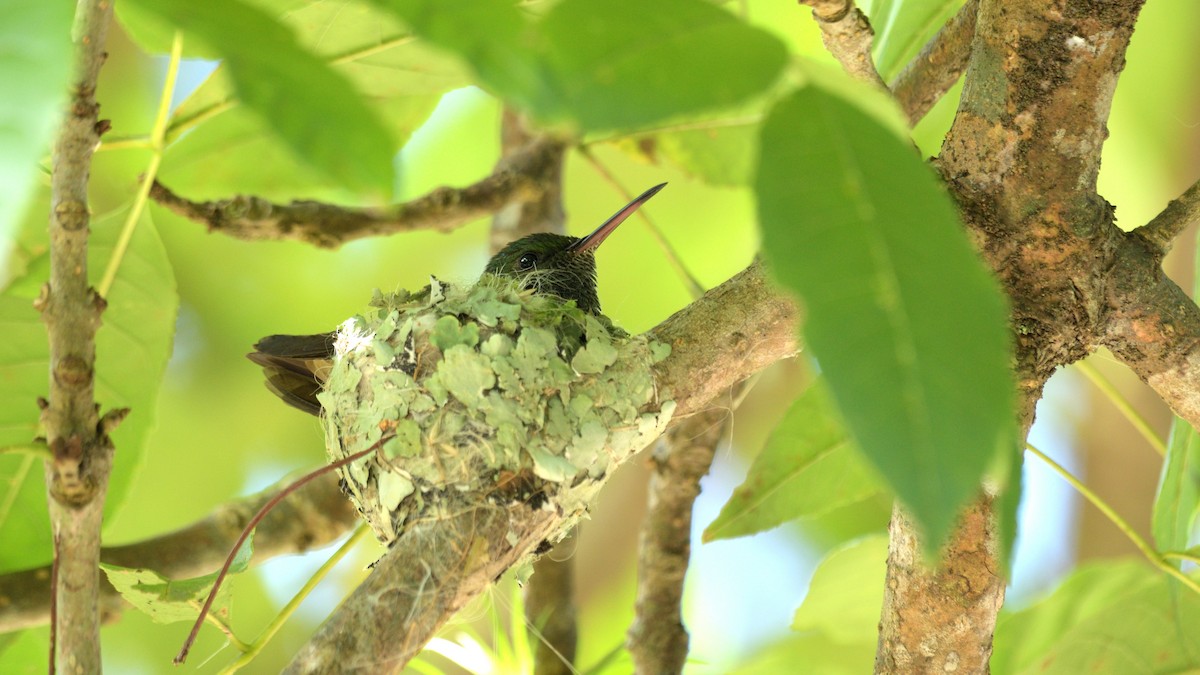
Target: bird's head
column 559, row 265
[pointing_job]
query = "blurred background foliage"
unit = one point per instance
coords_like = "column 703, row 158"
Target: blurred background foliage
column 217, row 433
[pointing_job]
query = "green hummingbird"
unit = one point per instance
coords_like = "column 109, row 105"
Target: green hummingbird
column 552, row 264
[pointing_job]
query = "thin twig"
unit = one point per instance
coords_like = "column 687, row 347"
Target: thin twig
column 290, row 608
column 329, row 226
column 314, row 516
column 157, row 136
column 1122, row 404
column 258, row 517
column 847, row 35
column 1146, row 549
column 1181, row 212
column 935, row 70
column 77, row 476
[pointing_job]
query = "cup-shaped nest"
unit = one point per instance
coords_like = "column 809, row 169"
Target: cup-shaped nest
column 490, row 395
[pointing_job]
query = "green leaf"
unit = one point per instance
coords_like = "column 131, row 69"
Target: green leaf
column 35, row 67
column 315, row 111
column 846, row 593
column 604, row 65
column 491, row 36
column 719, row 152
column 132, row 348
column 1178, row 497
column 908, row 326
column 1111, row 617
column 808, row 467
column 816, row 651
column 902, row 27
column 229, row 149
column 623, row 63
column 167, row 601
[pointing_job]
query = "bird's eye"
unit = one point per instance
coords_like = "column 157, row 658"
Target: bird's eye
column 527, row 261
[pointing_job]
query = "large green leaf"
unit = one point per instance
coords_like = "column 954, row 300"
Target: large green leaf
column 604, row 65
column 491, row 36
column 1112, row 617
column 35, row 65
column 231, row 150
column 624, row 63
column 314, row 110
column 902, row 27
column 807, row 468
column 132, row 348
column 908, row 326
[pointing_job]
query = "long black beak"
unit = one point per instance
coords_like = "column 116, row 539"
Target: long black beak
column 601, row 233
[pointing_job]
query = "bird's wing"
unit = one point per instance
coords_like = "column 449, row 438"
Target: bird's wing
column 296, row 367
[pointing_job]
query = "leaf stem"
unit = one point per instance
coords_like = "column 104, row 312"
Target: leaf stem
column 1123, row 406
column 1153, row 556
column 252, row 650
column 157, row 136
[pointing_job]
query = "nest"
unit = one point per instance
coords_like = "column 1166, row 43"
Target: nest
column 489, row 395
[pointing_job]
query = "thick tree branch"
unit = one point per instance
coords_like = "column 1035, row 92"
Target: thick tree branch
column 942, row 60
column 658, row 640
column 329, row 226
column 1181, row 212
column 77, row 476
column 434, row 568
column 1154, row 327
column 312, row 517
column 941, row 621
column 847, row 35
column 1021, row 159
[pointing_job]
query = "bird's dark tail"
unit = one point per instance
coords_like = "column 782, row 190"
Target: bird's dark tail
column 296, row 367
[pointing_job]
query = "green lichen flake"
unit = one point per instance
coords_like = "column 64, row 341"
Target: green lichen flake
column 480, row 382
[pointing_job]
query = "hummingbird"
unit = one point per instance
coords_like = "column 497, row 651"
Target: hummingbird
column 550, row 264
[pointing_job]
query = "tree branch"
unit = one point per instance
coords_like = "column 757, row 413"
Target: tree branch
column 942, row 60
column 77, row 476
column 312, row 517
column 1021, row 160
column 434, row 568
column 658, row 640
column 1181, row 212
column 847, row 35
column 1154, row 327
column 329, row 226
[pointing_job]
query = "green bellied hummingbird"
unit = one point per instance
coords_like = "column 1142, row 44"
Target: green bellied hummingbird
column 552, row 264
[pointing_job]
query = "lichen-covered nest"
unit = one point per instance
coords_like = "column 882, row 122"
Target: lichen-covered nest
column 493, row 395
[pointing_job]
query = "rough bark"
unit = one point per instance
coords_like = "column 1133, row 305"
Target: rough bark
column 1021, row 160
column 939, row 65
